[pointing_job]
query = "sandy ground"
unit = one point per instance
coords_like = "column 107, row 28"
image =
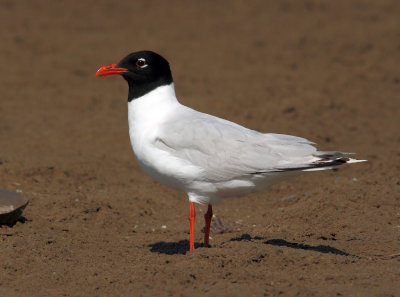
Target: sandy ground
column 96, row 225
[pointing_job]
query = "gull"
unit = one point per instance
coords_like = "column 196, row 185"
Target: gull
column 209, row 158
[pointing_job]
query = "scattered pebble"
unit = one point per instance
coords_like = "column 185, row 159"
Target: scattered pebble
column 290, row 197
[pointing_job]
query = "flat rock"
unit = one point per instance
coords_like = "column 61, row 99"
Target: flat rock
column 11, row 206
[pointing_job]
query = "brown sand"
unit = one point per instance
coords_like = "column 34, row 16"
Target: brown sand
column 324, row 70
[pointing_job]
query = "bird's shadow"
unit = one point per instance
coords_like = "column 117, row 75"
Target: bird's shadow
column 182, row 247
column 172, row 248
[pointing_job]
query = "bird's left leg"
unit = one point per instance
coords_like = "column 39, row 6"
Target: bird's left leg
column 207, row 217
column 192, row 216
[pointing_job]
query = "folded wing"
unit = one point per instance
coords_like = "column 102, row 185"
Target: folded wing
column 225, row 150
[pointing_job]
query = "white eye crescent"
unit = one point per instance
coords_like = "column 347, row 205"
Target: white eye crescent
column 141, row 63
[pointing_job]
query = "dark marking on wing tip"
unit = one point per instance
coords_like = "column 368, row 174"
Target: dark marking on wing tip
column 325, row 163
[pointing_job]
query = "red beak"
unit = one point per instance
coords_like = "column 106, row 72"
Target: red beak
column 110, row 69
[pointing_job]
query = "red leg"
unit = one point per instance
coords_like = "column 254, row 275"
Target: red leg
column 207, row 218
column 192, row 216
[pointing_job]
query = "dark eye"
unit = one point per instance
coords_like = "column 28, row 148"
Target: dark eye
column 141, row 63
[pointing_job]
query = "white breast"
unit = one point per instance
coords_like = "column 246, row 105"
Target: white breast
column 145, row 115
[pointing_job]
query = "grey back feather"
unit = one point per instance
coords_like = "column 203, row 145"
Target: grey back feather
column 225, row 150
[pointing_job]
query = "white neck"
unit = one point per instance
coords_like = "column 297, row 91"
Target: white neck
column 159, row 97
column 152, row 108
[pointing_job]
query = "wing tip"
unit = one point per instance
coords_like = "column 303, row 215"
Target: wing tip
column 351, row 160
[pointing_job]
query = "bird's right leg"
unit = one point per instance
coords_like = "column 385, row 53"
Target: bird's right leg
column 207, row 217
column 192, row 216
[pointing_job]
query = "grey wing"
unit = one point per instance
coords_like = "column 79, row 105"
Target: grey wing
column 225, row 150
